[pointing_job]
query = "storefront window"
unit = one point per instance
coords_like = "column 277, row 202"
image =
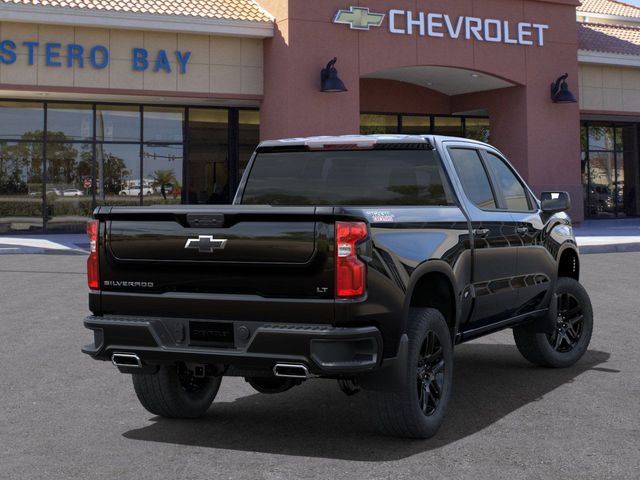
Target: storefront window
column 68, row 199
column 450, row 126
column 118, row 174
column 162, row 174
column 118, row 123
column 21, row 186
column 601, row 138
column 69, row 122
column 163, row 124
column 477, row 129
column 371, row 124
column 21, row 120
column 416, row 125
column 249, row 133
column 610, row 170
column 98, row 154
column 208, row 162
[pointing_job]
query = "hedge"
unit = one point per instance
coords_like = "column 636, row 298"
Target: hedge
column 32, row 207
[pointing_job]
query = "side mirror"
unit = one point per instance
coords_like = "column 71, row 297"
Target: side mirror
column 554, row 202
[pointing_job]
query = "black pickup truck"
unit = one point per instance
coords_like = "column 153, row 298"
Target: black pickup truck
column 363, row 259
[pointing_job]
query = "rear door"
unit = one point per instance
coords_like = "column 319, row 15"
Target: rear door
column 536, row 268
column 494, row 239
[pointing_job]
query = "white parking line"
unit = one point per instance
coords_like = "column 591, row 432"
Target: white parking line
column 32, row 242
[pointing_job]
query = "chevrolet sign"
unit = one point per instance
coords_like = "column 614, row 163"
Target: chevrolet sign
column 442, row 25
column 359, row 18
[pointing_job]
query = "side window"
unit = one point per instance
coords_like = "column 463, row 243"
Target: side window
column 473, row 177
column 513, row 191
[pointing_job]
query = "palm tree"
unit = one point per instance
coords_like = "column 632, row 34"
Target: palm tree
column 161, row 178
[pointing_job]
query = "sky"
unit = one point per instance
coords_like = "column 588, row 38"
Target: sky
column 632, row 2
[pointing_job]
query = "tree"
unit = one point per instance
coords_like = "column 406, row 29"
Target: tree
column 162, row 179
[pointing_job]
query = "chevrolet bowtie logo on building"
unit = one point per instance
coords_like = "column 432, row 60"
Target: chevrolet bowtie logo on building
column 205, row 243
column 359, row 18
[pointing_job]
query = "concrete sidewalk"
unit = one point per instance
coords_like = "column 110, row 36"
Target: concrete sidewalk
column 593, row 236
column 607, row 236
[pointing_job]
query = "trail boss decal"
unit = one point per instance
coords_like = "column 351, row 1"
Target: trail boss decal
column 380, row 216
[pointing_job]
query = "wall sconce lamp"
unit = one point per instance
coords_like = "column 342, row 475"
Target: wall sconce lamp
column 329, row 81
column 560, row 92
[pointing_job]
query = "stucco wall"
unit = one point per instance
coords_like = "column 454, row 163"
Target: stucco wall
column 609, row 89
column 526, row 125
column 378, row 95
column 218, row 65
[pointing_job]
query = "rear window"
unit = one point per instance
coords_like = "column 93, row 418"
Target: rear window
column 372, row 177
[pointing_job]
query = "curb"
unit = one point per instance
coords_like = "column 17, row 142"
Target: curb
column 616, row 248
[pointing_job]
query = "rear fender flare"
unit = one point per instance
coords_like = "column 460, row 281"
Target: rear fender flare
column 431, row 266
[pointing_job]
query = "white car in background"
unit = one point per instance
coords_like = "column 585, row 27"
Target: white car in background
column 133, row 191
column 50, row 191
column 72, row 192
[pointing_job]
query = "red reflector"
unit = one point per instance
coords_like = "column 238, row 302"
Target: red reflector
column 350, row 271
column 92, row 261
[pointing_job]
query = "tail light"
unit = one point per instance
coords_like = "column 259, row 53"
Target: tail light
column 92, row 261
column 350, row 271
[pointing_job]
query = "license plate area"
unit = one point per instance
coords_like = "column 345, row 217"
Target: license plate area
column 211, row 334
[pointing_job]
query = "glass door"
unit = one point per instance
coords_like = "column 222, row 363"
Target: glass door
column 207, row 156
column 610, row 170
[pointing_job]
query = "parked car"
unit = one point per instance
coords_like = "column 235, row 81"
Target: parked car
column 364, row 259
column 133, row 191
column 50, row 191
column 72, row 192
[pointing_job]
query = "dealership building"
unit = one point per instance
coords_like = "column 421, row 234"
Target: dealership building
column 163, row 101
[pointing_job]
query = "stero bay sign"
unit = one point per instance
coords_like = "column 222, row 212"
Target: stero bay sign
column 432, row 24
column 95, row 56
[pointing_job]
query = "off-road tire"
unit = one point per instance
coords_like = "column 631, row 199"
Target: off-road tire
column 400, row 413
column 551, row 350
column 170, row 394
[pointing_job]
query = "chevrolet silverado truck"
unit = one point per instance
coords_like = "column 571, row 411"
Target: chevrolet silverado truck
column 364, row 259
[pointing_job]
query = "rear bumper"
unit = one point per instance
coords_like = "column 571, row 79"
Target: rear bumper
column 256, row 347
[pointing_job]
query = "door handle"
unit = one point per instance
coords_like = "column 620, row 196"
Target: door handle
column 481, row 232
column 522, row 230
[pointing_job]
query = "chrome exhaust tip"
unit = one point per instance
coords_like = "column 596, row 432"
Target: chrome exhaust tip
column 126, row 360
column 290, row 370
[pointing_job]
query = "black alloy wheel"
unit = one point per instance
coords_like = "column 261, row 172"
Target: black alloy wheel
column 573, row 328
column 430, row 373
column 569, row 324
column 415, row 404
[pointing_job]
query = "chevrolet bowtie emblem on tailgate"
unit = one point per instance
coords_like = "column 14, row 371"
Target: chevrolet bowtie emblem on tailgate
column 206, row 243
column 359, row 18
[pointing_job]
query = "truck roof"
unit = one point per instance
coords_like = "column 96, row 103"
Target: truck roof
column 360, row 140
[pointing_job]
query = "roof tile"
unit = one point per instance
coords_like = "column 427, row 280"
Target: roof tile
column 609, row 7
column 221, row 9
column 600, row 37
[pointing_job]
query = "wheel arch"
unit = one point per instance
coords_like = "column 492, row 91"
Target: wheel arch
column 433, row 286
column 569, row 262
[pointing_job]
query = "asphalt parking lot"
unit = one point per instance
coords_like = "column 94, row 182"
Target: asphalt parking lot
column 64, row 415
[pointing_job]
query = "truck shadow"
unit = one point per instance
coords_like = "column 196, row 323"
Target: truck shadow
column 317, row 420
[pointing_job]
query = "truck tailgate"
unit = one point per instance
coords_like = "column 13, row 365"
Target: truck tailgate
column 209, row 252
